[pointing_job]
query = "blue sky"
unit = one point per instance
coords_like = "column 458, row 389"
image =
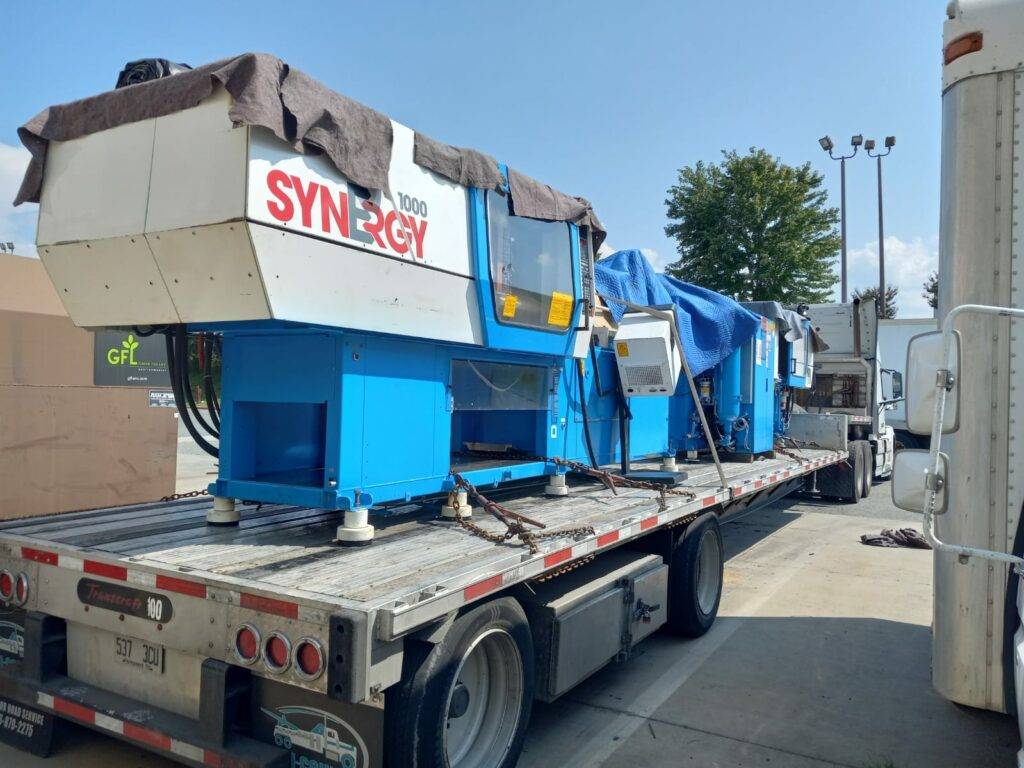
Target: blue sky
column 602, row 99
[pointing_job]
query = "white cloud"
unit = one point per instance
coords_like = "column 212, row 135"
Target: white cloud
column 658, row 261
column 907, row 265
column 17, row 225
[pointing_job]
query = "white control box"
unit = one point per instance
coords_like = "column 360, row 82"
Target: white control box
column 648, row 360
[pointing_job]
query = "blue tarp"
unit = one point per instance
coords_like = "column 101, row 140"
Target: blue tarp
column 711, row 325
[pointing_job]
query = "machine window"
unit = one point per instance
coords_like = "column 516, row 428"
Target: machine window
column 531, row 268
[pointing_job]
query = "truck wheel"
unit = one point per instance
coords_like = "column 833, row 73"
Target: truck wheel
column 856, row 487
column 467, row 703
column 869, row 468
column 695, row 578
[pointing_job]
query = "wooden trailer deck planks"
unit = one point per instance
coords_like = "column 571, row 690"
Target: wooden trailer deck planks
column 418, row 566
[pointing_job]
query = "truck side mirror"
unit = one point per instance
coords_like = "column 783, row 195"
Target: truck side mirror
column 924, row 361
column 910, row 480
column 897, row 385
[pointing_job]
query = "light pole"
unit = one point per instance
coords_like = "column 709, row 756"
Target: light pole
column 828, row 146
column 869, row 146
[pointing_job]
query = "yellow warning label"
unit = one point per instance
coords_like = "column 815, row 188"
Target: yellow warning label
column 561, row 309
column 622, row 349
column 508, row 306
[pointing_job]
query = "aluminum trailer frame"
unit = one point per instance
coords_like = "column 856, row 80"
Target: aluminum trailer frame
column 276, row 571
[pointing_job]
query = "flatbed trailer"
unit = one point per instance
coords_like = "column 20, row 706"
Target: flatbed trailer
column 94, row 582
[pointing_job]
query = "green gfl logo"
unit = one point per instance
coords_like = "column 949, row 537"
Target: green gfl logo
column 125, row 354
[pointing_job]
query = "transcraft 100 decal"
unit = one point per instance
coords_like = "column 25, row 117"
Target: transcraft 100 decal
column 127, row 600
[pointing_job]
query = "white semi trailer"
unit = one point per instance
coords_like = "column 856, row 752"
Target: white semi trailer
column 964, row 383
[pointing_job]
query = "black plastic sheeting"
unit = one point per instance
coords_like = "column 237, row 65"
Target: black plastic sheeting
column 144, row 70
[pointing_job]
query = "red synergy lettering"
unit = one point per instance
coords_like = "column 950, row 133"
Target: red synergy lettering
column 342, row 212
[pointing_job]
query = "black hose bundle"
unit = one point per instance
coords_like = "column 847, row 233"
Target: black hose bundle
column 580, row 374
column 177, row 366
column 144, row 70
column 209, row 392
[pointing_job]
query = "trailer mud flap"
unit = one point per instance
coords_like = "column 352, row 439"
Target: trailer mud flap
column 21, row 726
column 25, row 728
column 318, row 731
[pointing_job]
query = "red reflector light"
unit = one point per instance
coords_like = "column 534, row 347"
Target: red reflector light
column 309, row 658
column 277, row 652
column 969, row 43
column 247, row 644
column 21, row 590
column 6, row 586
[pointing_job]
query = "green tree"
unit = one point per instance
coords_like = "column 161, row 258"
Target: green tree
column 888, row 310
column 754, row 228
column 931, row 290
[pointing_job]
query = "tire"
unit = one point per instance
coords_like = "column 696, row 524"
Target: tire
column 869, row 469
column 491, row 642
column 695, row 578
column 855, row 489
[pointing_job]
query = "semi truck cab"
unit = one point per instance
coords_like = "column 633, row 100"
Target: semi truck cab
column 848, row 377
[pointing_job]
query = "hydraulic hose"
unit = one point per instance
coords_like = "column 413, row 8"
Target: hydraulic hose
column 179, row 397
column 181, row 362
column 601, row 391
column 208, row 391
column 580, row 373
column 625, row 417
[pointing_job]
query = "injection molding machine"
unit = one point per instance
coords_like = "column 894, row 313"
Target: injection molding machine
column 391, row 309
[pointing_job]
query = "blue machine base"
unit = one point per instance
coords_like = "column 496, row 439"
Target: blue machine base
column 337, row 420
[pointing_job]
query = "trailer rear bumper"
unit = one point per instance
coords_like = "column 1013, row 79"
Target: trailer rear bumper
column 42, row 691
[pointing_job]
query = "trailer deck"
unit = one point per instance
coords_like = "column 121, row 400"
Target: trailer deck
column 419, row 568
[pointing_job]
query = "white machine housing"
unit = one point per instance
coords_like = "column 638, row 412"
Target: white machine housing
column 204, row 221
column 647, row 357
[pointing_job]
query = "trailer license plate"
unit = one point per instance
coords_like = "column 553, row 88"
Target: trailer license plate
column 139, row 653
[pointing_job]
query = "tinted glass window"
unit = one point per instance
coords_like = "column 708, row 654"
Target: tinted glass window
column 531, row 268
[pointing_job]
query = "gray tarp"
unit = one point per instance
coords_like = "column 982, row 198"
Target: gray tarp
column 266, row 92
column 530, row 197
column 301, row 111
column 463, row 166
column 790, row 322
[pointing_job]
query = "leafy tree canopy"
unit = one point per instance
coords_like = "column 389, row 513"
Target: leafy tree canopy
column 754, row 228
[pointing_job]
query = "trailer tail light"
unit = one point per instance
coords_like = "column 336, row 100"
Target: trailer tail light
column 277, row 652
column 309, row 658
column 6, row 586
column 969, row 43
column 21, row 590
column 247, row 644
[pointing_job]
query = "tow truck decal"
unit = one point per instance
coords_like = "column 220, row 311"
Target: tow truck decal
column 12, row 642
column 317, row 739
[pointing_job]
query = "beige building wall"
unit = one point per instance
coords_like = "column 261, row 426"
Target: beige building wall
column 66, row 444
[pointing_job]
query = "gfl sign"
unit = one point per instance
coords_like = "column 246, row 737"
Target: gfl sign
column 125, row 354
column 336, row 211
